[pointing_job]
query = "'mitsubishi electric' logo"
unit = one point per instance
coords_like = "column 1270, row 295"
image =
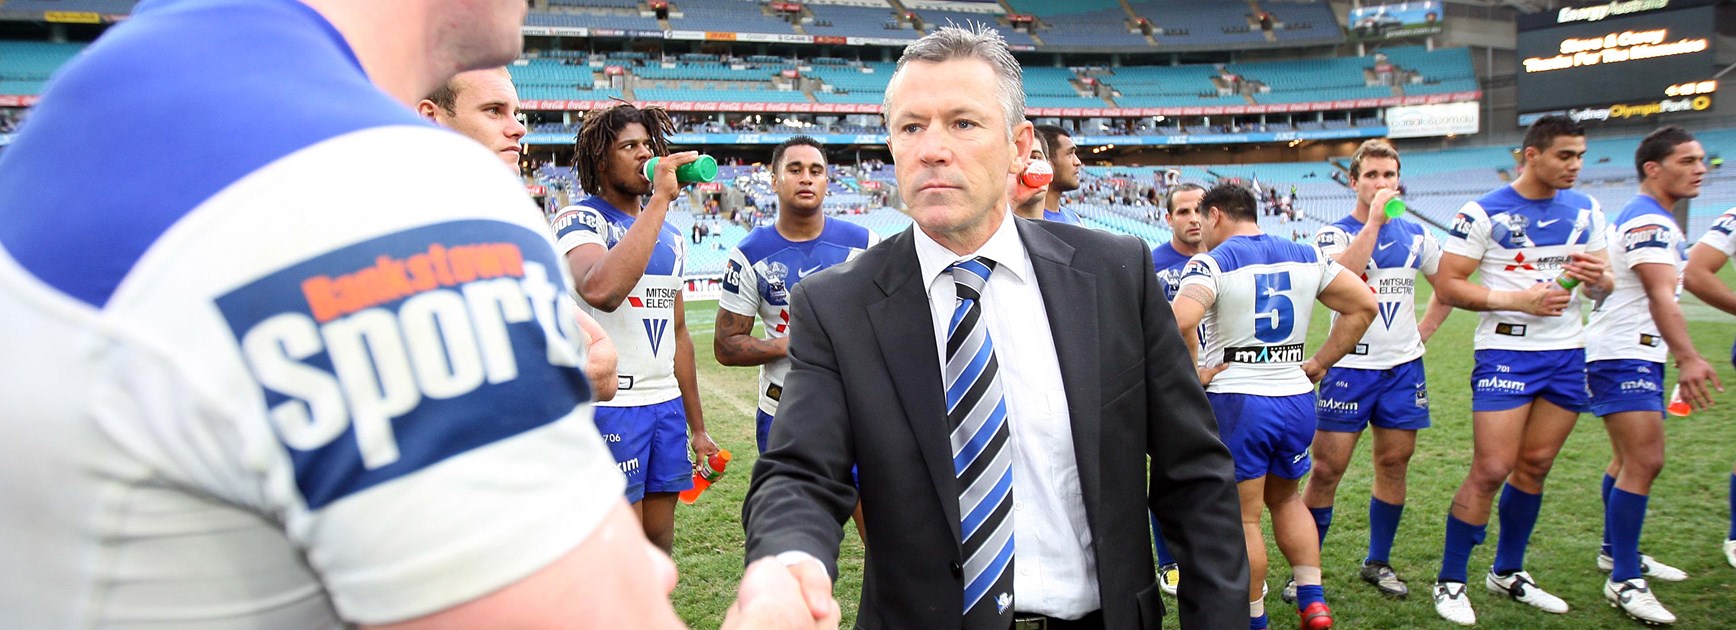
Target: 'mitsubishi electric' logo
column 386, row 356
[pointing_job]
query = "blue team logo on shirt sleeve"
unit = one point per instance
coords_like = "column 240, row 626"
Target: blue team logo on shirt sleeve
column 579, row 218
column 379, row 359
column 1645, row 236
column 732, row 277
column 1461, row 226
column 1195, row 268
column 1725, row 223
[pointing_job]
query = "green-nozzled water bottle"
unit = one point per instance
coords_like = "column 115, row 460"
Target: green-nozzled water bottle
column 1394, row 208
column 703, row 169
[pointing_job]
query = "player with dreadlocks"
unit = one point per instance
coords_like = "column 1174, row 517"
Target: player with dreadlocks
column 627, row 265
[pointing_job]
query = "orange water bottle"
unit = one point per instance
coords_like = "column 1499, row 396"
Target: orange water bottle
column 709, row 471
column 1678, row 407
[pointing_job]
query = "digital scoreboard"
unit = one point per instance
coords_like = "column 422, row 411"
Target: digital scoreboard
column 1621, row 60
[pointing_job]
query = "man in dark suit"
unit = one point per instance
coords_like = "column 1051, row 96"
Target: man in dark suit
column 996, row 380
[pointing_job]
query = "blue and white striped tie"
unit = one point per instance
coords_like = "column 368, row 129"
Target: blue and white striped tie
column 977, row 414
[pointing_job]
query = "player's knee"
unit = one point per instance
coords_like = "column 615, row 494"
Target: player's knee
column 1488, row 475
column 1392, row 463
column 1535, row 466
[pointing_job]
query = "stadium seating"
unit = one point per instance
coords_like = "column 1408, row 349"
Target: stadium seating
column 1050, row 8
column 1104, row 27
column 592, row 20
column 843, row 21
column 33, row 61
column 112, row 7
column 741, row 16
column 1201, row 22
column 605, row 4
column 722, row 95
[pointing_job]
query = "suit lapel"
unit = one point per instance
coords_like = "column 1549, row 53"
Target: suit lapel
column 903, row 325
column 1070, row 300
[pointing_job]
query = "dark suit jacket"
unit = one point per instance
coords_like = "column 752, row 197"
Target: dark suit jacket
column 865, row 388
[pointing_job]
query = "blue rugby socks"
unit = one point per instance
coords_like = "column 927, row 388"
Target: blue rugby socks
column 1461, row 537
column 1518, row 517
column 1382, row 528
column 1624, row 518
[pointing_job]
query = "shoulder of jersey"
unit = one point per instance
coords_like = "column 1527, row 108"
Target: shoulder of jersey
column 141, row 98
column 852, row 234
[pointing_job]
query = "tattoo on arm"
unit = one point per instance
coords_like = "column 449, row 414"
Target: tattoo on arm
column 736, row 344
column 1199, row 293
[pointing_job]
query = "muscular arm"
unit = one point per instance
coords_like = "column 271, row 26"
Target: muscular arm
column 1659, row 281
column 1454, row 288
column 1188, row 313
column 735, row 345
column 605, row 275
column 1700, row 278
column 1347, row 295
column 600, row 358
column 1603, row 281
column 687, row 379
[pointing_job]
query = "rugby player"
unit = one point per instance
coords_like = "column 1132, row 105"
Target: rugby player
column 1528, row 382
column 1058, row 145
column 627, row 263
column 1381, row 382
column 483, row 105
column 1255, row 294
column 1626, row 343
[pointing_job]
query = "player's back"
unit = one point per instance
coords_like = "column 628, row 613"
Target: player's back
column 220, row 410
column 1266, row 289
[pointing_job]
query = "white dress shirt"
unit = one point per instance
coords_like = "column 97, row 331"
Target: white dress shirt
column 1055, row 571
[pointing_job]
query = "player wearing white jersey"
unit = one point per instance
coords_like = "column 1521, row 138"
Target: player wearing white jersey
column 1381, row 382
column 766, row 266
column 1700, row 277
column 1255, row 294
column 374, row 416
column 1528, row 383
column 627, row 263
column 483, row 105
column 1625, row 350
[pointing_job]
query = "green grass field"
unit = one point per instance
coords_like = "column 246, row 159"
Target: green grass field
column 1687, row 522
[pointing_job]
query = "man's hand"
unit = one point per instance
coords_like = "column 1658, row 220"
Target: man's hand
column 1693, row 376
column 1586, row 268
column 1546, row 299
column 663, row 182
column 775, row 596
column 703, row 447
column 1206, row 374
column 1314, row 370
column 1377, row 207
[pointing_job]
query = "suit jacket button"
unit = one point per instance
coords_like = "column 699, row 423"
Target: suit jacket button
column 957, row 569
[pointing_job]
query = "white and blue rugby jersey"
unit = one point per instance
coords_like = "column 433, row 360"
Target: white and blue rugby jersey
column 247, row 385
column 1520, row 242
column 1621, row 326
column 764, row 269
column 642, row 325
column 1169, row 265
column 1720, row 235
column 1403, row 250
column 1266, row 288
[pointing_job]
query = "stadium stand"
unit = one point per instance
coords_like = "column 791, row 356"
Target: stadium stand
column 850, row 21
column 1203, row 22
column 741, row 16
column 1100, row 28
column 590, row 19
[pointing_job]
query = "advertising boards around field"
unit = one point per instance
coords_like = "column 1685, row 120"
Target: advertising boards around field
column 1426, row 121
column 1402, row 19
